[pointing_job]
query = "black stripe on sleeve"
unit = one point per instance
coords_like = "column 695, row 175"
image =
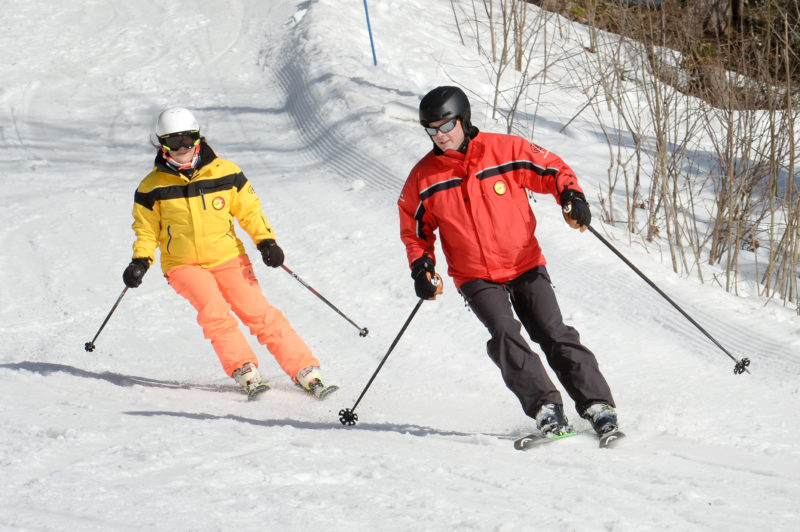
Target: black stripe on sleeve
column 420, row 224
column 516, row 165
column 427, row 193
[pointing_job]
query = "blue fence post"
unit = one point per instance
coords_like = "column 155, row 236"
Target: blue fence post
column 369, row 29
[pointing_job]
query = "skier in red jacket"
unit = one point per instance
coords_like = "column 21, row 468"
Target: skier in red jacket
column 473, row 187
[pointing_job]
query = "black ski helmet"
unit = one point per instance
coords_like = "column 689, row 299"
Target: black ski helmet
column 445, row 102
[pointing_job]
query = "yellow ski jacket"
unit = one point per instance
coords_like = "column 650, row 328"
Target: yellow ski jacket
column 190, row 217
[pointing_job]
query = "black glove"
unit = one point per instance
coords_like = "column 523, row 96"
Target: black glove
column 132, row 276
column 271, row 252
column 423, row 286
column 575, row 207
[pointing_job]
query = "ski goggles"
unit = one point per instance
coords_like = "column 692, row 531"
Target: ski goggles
column 176, row 141
column 447, row 127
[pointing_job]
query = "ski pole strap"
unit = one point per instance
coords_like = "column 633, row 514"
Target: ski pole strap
column 741, row 365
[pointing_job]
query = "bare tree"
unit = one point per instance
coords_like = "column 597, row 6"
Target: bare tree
column 699, row 121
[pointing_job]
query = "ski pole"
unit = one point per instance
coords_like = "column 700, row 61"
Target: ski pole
column 739, row 367
column 89, row 346
column 362, row 332
column 348, row 416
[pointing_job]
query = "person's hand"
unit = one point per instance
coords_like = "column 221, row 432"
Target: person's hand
column 427, row 283
column 132, row 276
column 271, row 252
column 576, row 209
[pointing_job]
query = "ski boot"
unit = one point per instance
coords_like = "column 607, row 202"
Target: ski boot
column 250, row 380
column 552, row 422
column 310, row 380
column 603, row 418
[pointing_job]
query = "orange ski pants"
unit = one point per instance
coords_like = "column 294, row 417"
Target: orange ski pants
column 213, row 292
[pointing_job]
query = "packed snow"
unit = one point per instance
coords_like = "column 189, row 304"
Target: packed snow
column 147, row 432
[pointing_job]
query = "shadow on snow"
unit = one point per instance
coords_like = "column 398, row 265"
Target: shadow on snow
column 413, row 430
column 46, row 368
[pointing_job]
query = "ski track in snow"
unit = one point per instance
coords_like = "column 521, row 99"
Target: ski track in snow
column 323, row 141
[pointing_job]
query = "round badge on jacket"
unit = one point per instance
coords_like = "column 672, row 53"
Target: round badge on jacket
column 500, row 188
column 218, row 203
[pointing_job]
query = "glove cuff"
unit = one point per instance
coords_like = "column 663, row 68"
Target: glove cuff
column 142, row 261
column 421, row 265
column 571, row 195
column 266, row 244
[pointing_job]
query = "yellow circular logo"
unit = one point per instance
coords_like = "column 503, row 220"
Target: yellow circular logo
column 218, row 203
column 500, row 188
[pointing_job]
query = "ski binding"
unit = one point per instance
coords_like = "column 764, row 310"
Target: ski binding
column 320, row 391
column 256, row 391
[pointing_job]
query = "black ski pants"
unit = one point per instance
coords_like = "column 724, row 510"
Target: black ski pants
column 531, row 296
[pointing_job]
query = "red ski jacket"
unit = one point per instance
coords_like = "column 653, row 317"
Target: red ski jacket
column 479, row 203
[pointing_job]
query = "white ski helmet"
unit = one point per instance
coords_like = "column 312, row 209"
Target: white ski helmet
column 175, row 120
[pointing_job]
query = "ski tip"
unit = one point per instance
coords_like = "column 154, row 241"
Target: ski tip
column 526, row 441
column 610, row 440
column 325, row 392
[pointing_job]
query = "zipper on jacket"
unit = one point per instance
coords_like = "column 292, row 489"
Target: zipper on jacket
column 465, row 190
column 169, row 234
column 202, row 198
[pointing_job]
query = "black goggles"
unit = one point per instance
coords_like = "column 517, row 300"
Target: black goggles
column 447, row 127
column 176, row 141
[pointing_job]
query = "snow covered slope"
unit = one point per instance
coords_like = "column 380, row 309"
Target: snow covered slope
column 147, row 432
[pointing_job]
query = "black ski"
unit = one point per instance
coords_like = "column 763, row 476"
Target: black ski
column 529, row 441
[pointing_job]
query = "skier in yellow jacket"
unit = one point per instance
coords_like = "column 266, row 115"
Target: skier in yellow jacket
column 186, row 206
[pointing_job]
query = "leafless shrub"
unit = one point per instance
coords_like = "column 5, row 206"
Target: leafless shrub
column 699, row 108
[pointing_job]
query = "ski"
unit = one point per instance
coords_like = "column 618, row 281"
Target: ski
column 532, row 440
column 610, row 439
column 320, row 391
column 606, row 441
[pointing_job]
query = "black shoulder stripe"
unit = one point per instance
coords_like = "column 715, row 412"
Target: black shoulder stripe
column 149, row 199
column 191, row 189
column 143, row 199
column 237, row 181
column 438, row 187
column 516, row 165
